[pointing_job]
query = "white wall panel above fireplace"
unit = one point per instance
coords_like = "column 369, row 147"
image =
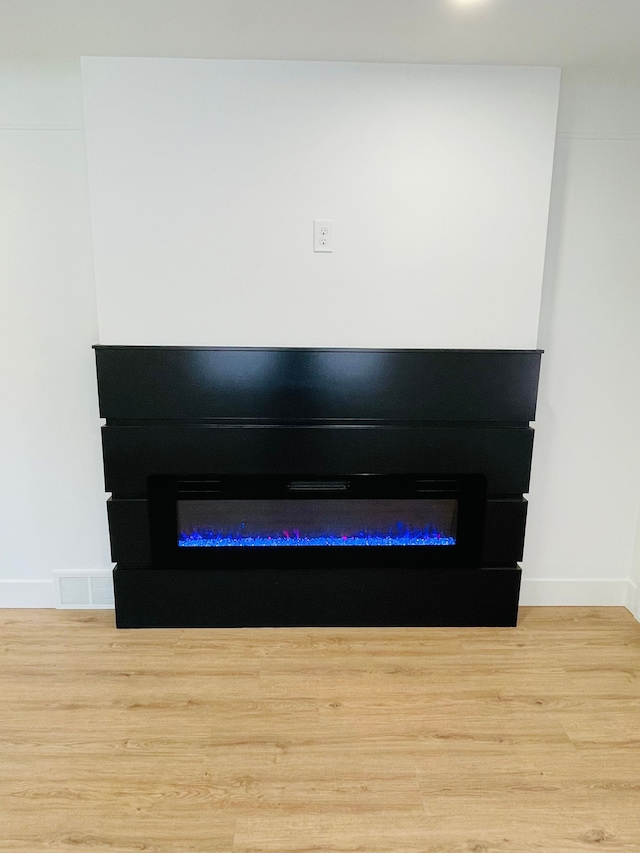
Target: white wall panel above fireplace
column 206, row 176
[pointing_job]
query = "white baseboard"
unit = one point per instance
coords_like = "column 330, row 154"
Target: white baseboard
column 90, row 590
column 581, row 592
column 540, row 592
column 633, row 599
column 27, row 593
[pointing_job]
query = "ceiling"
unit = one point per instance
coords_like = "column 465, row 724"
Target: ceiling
column 586, row 37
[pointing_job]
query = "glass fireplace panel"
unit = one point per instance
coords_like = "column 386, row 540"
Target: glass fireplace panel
column 221, row 523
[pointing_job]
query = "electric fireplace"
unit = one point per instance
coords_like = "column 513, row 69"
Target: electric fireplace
column 345, row 521
column 303, row 487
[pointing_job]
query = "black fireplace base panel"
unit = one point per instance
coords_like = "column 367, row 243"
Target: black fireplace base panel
column 316, row 597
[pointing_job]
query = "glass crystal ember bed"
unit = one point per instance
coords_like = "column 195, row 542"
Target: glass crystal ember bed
column 328, row 522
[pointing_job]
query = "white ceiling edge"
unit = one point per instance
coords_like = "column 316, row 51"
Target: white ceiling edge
column 589, row 39
column 47, row 93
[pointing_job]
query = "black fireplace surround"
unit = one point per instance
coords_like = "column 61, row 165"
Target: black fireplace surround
column 316, row 487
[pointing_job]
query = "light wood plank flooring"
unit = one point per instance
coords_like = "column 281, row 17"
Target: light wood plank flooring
column 320, row 740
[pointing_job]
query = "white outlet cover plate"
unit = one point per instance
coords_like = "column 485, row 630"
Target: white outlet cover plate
column 323, row 235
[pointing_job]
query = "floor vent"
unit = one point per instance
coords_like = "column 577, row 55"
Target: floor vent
column 85, row 591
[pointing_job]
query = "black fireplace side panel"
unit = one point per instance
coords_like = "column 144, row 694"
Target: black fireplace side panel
column 194, row 410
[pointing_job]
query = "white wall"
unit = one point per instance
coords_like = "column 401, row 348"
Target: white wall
column 589, row 403
column 52, row 513
column 585, row 491
column 205, row 178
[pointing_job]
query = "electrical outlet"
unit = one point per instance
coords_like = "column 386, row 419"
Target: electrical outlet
column 323, row 235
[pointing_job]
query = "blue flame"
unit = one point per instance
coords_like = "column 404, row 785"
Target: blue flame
column 206, row 538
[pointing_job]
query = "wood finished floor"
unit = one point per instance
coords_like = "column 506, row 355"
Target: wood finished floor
column 320, row 740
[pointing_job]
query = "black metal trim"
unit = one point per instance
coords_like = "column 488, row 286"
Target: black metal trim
column 503, row 537
column 469, row 491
